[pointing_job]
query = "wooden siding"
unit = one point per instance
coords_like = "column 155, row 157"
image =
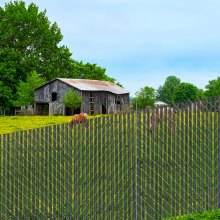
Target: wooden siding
column 44, row 94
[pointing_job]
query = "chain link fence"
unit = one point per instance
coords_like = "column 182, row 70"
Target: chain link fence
column 149, row 164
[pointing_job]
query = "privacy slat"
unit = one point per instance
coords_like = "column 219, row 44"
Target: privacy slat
column 150, row 164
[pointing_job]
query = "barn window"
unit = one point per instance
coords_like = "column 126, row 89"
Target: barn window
column 91, row 97
column 54, row 96
column 92, row 104
column 118, row 103
column 117, row 100
column 104, row 105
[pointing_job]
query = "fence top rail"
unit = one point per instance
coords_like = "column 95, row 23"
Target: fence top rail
column 211, row 104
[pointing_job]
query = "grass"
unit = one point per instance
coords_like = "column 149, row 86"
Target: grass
column 212, row 215
column 10, row 124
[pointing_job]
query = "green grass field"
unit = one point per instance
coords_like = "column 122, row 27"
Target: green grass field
column 10, row 124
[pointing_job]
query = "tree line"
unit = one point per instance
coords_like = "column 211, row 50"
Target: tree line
column 173, row 91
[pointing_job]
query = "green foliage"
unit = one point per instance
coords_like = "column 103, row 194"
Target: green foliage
column 185, row 92
column 200, row 94
column 145, row 97
column 90, row 71
column 165, row 92
column 213, row 88
column 28, row 41
column 207, row 215
column 26, row 89
column 6, row 95
column 72, row 100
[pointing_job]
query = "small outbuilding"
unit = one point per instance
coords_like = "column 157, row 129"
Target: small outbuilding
column 160, row 103
column 99, row 97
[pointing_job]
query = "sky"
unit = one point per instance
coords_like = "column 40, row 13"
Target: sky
column 142, row 42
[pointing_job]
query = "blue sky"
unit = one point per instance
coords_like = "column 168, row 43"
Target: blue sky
column 142, row 42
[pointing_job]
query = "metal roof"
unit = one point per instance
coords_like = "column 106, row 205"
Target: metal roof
column 94, row 85
column 160, row 103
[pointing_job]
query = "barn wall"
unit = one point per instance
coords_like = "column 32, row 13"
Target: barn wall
column 113, row 107
column 85, row 104
column 56, row 108
column 44, row 94
column 108, row 100
column 97, row 100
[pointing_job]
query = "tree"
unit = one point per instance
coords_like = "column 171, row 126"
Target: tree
column 72, row 100
column 28, row 41
column 200, row 94
column 165, row 92
column 145, row 97
column 185, row 92
column 26, row 89
column 213, row 88
column 90, row 71
column 6, row 96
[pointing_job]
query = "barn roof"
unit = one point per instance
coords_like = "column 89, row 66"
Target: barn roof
column 157, row 103
column 93, row 85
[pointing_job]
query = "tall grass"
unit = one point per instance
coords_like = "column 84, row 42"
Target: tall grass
column 9, row 124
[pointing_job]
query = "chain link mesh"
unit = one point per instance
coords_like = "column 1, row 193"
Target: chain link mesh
column 149, row 164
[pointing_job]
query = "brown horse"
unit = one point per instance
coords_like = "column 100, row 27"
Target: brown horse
column 162, row 114
column 78, row 118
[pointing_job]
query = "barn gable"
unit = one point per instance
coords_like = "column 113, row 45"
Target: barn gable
column 99, row 97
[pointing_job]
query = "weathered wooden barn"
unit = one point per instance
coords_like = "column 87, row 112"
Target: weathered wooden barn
column 99, row 97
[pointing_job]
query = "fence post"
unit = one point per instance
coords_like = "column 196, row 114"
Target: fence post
column 133, row 168
column 218, row 174
column 138, row 170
